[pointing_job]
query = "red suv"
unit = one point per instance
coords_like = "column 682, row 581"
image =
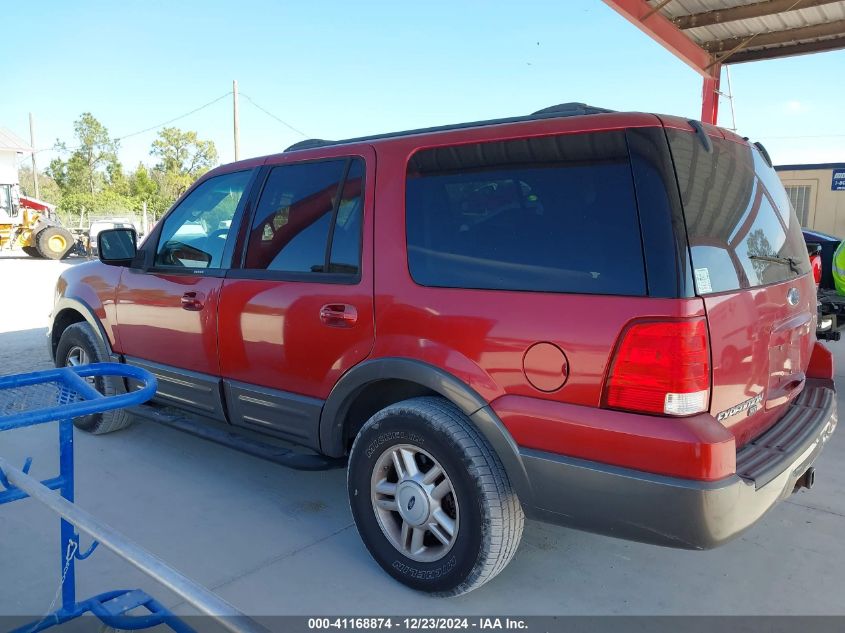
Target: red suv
column 601, row 320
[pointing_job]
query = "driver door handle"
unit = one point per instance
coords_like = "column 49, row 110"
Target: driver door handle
column 192, row 301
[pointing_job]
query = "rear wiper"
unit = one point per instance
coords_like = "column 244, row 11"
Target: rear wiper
column 786, row 261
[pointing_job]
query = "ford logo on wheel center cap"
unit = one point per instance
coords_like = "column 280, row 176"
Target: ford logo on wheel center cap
column 793, row 296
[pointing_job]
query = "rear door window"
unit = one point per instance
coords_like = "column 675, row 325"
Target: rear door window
column 555, row 214
column 309, row 219
column 741, row 227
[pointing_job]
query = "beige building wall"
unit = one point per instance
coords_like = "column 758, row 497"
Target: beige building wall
column 810, row 188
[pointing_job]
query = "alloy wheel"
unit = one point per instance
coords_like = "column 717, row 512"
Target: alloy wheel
column 415, row 503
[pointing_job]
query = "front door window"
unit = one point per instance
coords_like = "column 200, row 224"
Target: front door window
column 194, row 234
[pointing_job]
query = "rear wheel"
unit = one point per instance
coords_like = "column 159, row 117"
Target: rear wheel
column 31, row 251
column 431, row 499
column 54, row 242
column 79, row 345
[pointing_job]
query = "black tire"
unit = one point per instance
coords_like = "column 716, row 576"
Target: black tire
column 81, row 337
column 31, row 251
column 54, row 242
column 489, row 519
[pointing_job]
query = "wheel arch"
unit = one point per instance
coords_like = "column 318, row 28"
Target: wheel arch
column 68, row 311
column 395, row 379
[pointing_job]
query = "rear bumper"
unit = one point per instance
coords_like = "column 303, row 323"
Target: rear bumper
column 678, row 512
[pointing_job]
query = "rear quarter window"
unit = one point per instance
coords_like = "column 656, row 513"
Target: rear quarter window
column 553, row 214
column 742, row 230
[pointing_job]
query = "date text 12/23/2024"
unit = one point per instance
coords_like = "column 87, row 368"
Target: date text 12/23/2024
column 417, row 623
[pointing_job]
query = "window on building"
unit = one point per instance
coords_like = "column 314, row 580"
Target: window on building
column 799, row 196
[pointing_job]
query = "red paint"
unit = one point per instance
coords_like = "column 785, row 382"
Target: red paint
column 35, row 204
column 696, row 447
column 158, row 319
column 821, row 363
column 481, row 336
column 545, row 366
column 710, row 96
column 760, row 344
column 286, row 335
column 94, row 285
column 273, row 333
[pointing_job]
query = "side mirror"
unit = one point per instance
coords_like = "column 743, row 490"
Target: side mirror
column 117, row 247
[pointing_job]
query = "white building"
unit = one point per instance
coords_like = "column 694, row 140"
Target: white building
column 11, row 147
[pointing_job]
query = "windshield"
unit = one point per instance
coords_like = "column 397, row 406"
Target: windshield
column 5, row 199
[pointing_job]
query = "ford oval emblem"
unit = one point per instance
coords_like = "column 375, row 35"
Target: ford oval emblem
column 793, row 296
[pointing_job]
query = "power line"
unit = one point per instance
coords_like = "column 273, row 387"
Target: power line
column 804, row 136
column 173, row 120
column 152, row 127
column 273, row 116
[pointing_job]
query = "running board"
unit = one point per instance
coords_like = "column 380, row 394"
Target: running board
column 263, row 450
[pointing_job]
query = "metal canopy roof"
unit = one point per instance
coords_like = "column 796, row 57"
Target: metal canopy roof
column 10, row 141
column 736, row 31
column 707, row 34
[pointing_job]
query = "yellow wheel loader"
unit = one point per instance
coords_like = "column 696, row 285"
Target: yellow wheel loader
column 32, row 225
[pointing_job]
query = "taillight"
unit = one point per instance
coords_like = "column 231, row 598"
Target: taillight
column 816, row 265
column 661, row 367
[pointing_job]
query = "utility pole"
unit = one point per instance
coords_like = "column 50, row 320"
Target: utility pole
column 32, row 144
column 237, row 130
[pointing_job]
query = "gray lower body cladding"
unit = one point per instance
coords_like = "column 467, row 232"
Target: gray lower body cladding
column 677, row 512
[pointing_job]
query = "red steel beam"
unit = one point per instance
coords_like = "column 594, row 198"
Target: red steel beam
column 662, row 30
column 710, row 96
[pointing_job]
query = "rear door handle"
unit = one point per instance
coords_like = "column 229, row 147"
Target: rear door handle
column 338, row 315
column 192, row 301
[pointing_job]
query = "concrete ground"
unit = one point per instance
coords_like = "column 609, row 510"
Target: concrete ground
column 277, row 541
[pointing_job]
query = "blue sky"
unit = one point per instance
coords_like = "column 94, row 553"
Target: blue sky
column 338, row 69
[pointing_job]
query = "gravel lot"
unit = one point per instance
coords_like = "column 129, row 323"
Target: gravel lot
column 277, row 541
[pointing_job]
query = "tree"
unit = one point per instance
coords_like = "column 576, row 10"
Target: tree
column 141, row 186
column 94, row 153
column 48, row 189
column 116, row 179
column 758, row 245
column 144, row 188
column 183, row 157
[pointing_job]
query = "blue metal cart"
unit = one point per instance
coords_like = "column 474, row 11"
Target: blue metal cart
column 60, row 395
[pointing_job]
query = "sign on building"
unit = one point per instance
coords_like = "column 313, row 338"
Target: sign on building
column 838, row 183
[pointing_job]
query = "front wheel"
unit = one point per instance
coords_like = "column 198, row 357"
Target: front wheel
column 79, row 345
column 431, row 499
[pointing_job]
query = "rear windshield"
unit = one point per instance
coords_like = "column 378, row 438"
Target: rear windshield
column 742, row 230
column 555, row 214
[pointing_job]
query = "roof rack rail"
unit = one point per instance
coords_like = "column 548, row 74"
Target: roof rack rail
column 555, row 111
column 572, row 108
